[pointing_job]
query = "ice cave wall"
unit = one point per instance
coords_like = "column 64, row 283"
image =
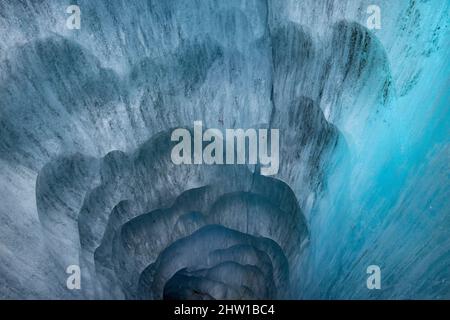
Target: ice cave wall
column 86, row 179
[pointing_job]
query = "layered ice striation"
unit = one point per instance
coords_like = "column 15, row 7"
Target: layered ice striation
column 87, row 177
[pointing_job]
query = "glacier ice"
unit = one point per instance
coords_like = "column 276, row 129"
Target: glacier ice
column 87, row 179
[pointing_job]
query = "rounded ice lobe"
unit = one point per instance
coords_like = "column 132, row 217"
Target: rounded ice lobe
column 220, row 263
column 145, row 222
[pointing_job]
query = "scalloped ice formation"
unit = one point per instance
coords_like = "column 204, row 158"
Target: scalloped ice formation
column 145, row 208
column 85, row 145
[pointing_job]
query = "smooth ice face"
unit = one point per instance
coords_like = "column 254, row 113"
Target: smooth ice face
column 362, row 109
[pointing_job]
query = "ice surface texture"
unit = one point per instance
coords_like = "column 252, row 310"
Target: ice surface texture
column 87, row 179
